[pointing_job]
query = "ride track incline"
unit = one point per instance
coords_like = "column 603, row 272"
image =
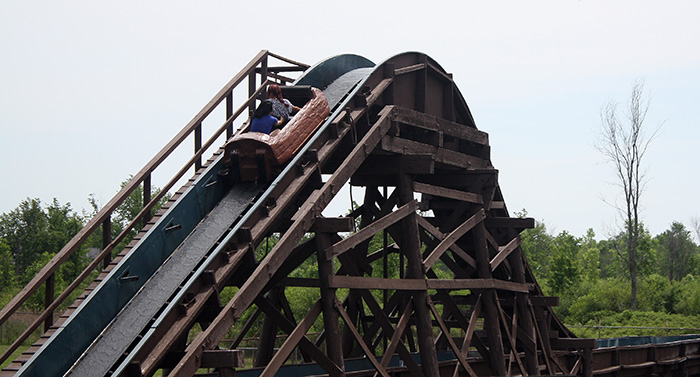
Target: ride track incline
column 461, row 299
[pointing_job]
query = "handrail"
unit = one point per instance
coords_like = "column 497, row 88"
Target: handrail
column 142, row 177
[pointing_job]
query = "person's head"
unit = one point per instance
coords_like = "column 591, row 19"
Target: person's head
column 265, row 108
column 274, row 91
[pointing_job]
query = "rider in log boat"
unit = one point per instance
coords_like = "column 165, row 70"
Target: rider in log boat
column 259, row 156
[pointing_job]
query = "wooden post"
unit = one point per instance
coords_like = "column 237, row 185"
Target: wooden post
column 229, row 114
column 524, row 314
column 268, row 334
column 491, row 320
column 50, row 286
column 331, row 322
column 198, row 146
column 147, row 194
column 107, row 239
column 415, row 270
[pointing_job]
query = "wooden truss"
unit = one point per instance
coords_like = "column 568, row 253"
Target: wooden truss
column 463, row 286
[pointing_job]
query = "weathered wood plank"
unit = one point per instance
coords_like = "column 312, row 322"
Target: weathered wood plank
column 510, row 222
column 292, row 341
column 361, row 282
column 370, row 230
column 451, row 238
column 425, row 224
column 504, row 252
column 457, row 284
column 399, row 145
column 370, row 355
column 430, row 122
column 448, row 193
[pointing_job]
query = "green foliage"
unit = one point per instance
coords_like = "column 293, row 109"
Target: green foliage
column 638, row 323
column 600, row 298
column 658, row 293
column 689, row 296
column 537, row 244
column 678, row 255
column 564, row 267
column 31, row 232
column 7, row 270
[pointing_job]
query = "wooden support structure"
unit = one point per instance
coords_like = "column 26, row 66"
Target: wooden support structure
column 448, row 277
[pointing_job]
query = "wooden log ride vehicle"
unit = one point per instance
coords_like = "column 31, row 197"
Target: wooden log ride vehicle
column 259, row 156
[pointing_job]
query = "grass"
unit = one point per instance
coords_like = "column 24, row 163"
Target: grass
column 12, row 357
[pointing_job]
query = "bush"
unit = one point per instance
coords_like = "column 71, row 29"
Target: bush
column 605, row 296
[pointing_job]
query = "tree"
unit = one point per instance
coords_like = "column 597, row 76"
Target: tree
column 624, row 144
column 30, row 231
column 695, row 222
column 537, row 245
column 564, row 267
column 676, row 251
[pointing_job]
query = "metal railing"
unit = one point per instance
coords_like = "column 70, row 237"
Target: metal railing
column 667, row 329
column 257, row 67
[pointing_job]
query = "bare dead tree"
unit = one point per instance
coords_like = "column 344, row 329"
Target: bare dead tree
column 695, row 223
column 624, row 144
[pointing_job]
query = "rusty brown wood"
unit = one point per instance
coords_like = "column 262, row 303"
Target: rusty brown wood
column 382, row 318
column 510, row 336
column 504, row 252
column 480, row 283
column 369, row 231
column 450, row 341
column 304, row 343
column 440, row 236
column 331, row 323
column 368, row 353
column 491, row 320
column 451, row 238
column 398, row 145
column 361, row 282
column 433, row 123
column 104, row 214
column 469, row 332
column 268, row 333
column 398, row 334
column 292, row 341
column 411, row 246
column 302, row 222
column 469, row 197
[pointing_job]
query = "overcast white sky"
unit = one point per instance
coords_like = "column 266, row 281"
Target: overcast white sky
column 91, row 90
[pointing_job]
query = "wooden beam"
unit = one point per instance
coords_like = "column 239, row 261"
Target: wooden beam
column 510, row 222
column 446, row 156
column 469, row 333
column 389, row 164
column 409, row 69
column 303, row 220
column 398, row 333
column 370, row 230
column 433, row 123
column 440, row 236
column 361, row 282
column 451, row 238
column 448, row 193
column 457, row 284
column 445, row 330
column 504, row 252
column 292, row 341
column 333, row 225
column 222, row 359
column 370, row 355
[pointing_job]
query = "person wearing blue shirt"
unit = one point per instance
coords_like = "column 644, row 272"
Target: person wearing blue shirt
column 262, row 120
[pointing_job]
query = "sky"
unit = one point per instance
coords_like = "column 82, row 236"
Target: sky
column 90, row 91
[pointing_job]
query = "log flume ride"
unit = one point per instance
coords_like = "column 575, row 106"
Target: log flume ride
column 459, row 299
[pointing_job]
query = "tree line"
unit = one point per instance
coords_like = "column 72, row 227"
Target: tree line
column 592, row 278
column 33, row 232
